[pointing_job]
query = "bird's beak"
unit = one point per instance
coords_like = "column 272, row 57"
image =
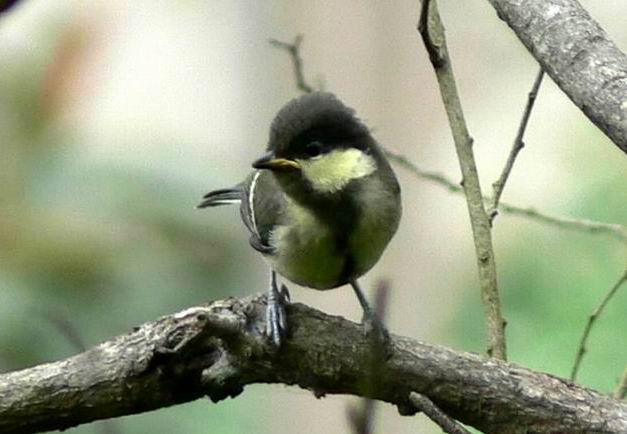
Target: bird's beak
column 270, row 162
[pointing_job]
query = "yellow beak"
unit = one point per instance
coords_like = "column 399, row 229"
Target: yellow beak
column 269, row 162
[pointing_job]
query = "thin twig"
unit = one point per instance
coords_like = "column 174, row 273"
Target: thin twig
column 616, row 231
column 297, row 62
column 432, row 32
column 433, row 412
column 67, row 329
column 499, row 184
column 621, row 389
column 591, row 320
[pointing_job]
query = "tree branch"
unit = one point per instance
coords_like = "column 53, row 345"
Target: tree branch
column 499, row 185
column 581, row 350
column 432, row 31
column 578, row 55
column 426, row 406
column 616, row 231
column 217, row 349
column 621, row 388
column 293, row 50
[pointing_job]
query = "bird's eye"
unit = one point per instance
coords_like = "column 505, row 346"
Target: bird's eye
column 313, row 149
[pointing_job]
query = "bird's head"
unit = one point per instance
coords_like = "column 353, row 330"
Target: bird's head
column 318, row 147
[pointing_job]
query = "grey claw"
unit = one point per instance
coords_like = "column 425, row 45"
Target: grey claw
column 282, row 321
column 285, row 294
column 276, row 321
column 269, row 320
column 374, row 329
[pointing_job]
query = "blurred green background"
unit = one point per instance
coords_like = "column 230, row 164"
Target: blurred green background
column 115, row 118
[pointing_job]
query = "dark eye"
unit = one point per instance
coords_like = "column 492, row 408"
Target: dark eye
column 313, row 149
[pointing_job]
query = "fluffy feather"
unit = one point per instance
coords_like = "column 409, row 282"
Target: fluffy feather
column 333, row 171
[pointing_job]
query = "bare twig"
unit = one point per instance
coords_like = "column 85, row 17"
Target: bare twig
column 432, row 32
column 616, row 231
column 591, row 320
column 297, row 62
column 621, row 388
column 433, row 412
column 67, row 329
column 499, row 185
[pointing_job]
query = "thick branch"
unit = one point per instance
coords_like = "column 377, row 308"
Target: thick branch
column 578, row 55
column 218, row 349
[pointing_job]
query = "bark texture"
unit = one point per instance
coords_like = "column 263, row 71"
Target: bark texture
column 578, row 55
column 218, row 349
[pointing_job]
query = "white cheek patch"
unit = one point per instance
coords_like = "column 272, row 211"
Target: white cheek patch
column 333, row 171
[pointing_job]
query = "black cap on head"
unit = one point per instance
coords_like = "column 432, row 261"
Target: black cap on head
column 318, row 113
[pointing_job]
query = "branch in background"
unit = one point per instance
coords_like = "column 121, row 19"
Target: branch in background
column 591, row 320
column 621, row 389
column 66, row 328
column 426, row 406
column 499, row 185
column 578, row 55
column 217, row 349
column 616, row 231
column 297, row 62
column 432, row 31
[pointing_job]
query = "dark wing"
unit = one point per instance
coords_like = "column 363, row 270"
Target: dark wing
column 262, row 202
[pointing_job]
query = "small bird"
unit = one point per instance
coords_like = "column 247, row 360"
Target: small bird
column 321, row 205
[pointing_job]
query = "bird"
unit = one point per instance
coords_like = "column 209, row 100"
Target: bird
column 321, row 205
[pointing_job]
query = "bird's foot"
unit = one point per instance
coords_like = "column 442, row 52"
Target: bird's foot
column 376, row 332
column 276, row 317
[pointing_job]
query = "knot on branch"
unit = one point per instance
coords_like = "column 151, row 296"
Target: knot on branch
column 208, row 348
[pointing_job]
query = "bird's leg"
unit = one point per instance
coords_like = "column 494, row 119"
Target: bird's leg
column 372, row 323
column 276, row 322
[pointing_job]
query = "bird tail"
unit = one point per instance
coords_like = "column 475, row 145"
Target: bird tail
column 225, row 196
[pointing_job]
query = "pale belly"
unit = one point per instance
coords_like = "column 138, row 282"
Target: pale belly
column 308, row 254
column 311, row 261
